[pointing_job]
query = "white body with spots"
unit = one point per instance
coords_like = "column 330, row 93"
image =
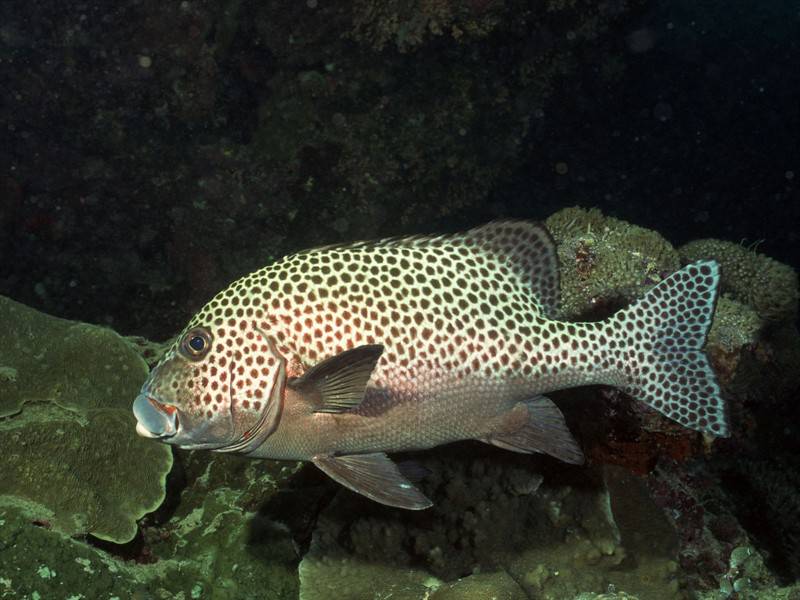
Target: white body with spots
column 469, row 345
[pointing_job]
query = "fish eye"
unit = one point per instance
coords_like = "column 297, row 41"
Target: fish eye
column 196, row 343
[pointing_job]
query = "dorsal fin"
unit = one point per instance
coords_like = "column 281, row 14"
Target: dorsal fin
column 529, row 250
column 526, row 247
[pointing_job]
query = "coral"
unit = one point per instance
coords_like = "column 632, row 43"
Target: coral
column 151, row 352
column 702, row 516
column 103, row 481
column 735, row 326
column 411, row 25
column 748, row 578
column 770, row 287
column 490, row 516
column 605, row 262
column 607, row 596
column 220, row 560
column 73, row 465
column 70, row 449
column 323, row 577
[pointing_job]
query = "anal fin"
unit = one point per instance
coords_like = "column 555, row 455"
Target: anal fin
column 374, row 476
column 542, row 429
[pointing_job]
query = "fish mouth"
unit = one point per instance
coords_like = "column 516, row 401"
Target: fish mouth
column 155, row 419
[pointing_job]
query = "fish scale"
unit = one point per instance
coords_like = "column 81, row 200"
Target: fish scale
column 465, row 344
column 448, row 301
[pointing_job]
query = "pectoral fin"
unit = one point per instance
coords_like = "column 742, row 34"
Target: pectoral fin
column 338, row 383
column 537, row 425
column 374, row 476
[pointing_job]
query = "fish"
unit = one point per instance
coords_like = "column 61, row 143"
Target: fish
column 344, row 354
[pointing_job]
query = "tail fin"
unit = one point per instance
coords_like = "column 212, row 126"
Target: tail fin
column 662, row 355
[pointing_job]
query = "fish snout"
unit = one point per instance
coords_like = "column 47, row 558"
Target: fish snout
column 154, row 419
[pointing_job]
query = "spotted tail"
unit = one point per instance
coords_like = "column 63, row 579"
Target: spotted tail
column 661, row 349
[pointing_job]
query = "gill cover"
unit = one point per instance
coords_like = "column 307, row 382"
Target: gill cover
column 256, row 431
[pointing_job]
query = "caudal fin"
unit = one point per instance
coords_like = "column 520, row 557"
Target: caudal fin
column 661, row 348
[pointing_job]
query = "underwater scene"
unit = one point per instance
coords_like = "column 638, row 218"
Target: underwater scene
column 399, row 299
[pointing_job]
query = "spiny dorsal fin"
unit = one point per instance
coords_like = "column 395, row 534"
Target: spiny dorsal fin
column 338, row 383
column 526, row 247
column 529, row 249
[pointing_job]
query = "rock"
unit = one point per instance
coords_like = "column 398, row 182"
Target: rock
column 482, row 586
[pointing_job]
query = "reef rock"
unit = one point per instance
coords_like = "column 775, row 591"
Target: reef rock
column 501, row 526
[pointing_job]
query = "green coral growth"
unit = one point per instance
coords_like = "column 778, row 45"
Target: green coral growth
column 605, row 261
column 36, row 562
column 67, row 434
column 767, row 285
column 735, row 325
column 234, row 551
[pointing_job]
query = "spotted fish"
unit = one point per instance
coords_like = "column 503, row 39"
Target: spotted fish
column 340, row 355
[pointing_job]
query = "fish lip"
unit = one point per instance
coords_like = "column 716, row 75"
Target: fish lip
column 154, row 419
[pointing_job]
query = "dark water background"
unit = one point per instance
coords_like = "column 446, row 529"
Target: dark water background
column 132, row 190
column 151, row 152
